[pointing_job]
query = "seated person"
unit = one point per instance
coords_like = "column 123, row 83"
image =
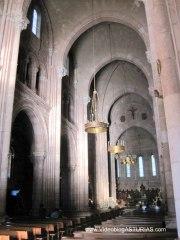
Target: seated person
column 55, row 213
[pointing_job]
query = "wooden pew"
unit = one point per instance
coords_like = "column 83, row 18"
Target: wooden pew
column 18, row 234
column 4, row 237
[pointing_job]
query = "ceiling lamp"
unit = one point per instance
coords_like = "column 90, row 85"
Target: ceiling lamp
column 118, row 148
column 127, row 159
column 94, row 126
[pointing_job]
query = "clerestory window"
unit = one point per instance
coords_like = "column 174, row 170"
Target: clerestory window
column 36, row 22
column 141, row 166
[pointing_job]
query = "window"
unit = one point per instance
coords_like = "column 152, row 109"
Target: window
column 141, row 167
column 36, row 22
column 122, row 118
column 153, row 164
column 37, row 81
column 144, row 116
column 118, row 168
column 28, row 72
column 128, row 170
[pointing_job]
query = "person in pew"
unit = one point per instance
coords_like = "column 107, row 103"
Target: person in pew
column 42, row 212
column 92, row 204
column 158, row 202
column 56, row 213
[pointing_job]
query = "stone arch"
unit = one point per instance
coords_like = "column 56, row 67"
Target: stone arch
column 149, row 104
column 147, row 72
column 38, row 123
column 116, row 67
column 105, row 17
column 124, row 51
column 146, row 128
column 39, row 151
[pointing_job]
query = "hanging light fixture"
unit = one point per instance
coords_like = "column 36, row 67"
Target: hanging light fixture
column 118, row 148
column 94, row 126
column 126, row 159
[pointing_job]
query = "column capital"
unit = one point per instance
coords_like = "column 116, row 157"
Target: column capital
column 51, row 51
column 138, row 2
column 62, row 72
column 86, row 100
column 19, row 19
column 148, row 56
column 23, row 22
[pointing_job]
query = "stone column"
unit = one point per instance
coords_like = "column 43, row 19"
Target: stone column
column 163, row 153
column 77, row 169
column 165, row 160
column 38, row 167
column 13, row 22
column 69, row 167
column 162, row 48
column 101, row 176
column 51, row 174
column 112, row 195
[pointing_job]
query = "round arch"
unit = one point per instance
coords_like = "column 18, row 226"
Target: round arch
column 105, row 17
column 147, row 73
column 126, row 94
column 144, row 128
column 38, row 124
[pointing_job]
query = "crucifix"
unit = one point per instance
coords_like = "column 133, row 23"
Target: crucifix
column 133, row 110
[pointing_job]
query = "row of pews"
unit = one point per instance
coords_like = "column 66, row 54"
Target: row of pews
column 52, row 229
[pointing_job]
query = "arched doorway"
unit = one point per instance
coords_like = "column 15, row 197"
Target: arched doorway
column 20, row 181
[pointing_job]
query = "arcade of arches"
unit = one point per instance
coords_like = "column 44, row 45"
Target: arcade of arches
column 50, row 52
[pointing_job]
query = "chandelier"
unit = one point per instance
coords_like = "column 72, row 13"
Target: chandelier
column 94, row 126
column 126, row 159
column 118, row 148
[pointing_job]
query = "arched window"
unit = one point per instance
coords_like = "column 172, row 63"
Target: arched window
column 141, row 167
column 36, row 22
column 128, row 170
column 37, row 80
column 153, row 164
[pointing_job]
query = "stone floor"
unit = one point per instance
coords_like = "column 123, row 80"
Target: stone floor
column 128, row 227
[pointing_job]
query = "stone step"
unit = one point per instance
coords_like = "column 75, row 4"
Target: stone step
column 85, row 235
column 133, row 221
column 129, row 225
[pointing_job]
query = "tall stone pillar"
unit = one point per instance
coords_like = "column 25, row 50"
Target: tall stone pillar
column 77, row 168
column 12, row 22
column 162, row 48
column 101, row 169
column 51, row 173
column 163, row 153
column 112, row 195
column 69, row 167
column 38, row 166
column 81, row 194
column 165, row 160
